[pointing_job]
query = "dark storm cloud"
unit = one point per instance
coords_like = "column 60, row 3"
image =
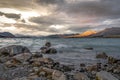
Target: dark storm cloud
column 76, row 11
column 11, row 15
column 78, row 29
column 19, row 4
column 52, row 2
column 30, row 27
column 47, row 20
column 101, row 8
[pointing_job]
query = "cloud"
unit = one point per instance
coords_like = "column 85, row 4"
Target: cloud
column 101, row 8
column 61, row 16
column 11, row 15
column 48, row 20
column 18, row 4
column 53, row 2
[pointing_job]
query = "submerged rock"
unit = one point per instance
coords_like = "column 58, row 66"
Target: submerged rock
column 47, row 49
column 102, row 55
column 89, row 48
column 13, row 50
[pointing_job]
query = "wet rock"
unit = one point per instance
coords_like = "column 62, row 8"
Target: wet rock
column 112, row 60
column 117, row 70
column 47, row 49
column 102, row 55
column 48, row 70
column 13, row 50
column 2, row 70
column 58, row 75
column 91, row 68
column 12, row 63
column 15, row 73
column 89, row 48
column 103, row 75
column 81, row 76
column 48, row 44
column 82, row 65
column 42, row 60
column 82, row 70
column 37, row 55
column 22, row 57
column 23, row 78
column 4, row 59
column 66, row 68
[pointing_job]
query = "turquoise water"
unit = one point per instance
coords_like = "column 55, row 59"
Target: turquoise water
column 70, row 51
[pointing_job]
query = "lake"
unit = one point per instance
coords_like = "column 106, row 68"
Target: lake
column 70, row 51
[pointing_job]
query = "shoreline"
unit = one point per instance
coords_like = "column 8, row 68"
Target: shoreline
column 27, row 66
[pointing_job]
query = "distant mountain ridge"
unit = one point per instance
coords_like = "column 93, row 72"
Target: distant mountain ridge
column 113, row 32
column 108, row 32
column 6, row 35
column 84, row 34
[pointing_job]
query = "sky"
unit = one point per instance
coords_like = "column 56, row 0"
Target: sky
column 47, row 17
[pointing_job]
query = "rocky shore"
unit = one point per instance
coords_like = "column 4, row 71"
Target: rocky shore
column 18, row 63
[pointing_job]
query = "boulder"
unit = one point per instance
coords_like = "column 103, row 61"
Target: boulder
column 112, row 60
column 92, row 68
column 44, row 60
column 103, row 75
column 12, row 63
column 88, row 48
column 46, row 50
column 23, row 78
column 13, row 50
column 23, row 57
column 81, row 76
column 58, row 75
column 18, row 72
column 37, row 55
column 102, row 55
column 2, row 69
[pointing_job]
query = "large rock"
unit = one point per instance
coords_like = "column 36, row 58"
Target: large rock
column 81, row 76
column 13, row 50
column 103, row 75
column 102, row 55
column 46, row 50
column 58, row 75
column 22, row 57
column 45, row 60
column 10, row 74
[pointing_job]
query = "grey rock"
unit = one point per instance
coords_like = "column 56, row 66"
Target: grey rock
column 22, row 57
column 81, row 76
column 103, row 75
column 13, row 50
column 102, row 55
column 46, row 50
column 58, row 75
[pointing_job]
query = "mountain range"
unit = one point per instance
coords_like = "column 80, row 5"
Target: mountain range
column 6, row 35
column 108, row 33
column 113, row 32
